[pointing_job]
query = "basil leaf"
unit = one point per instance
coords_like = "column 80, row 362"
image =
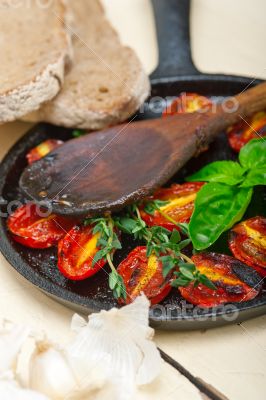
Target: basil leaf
column 255, row 177
column 217, row 208
column 253, row 154
column 228, row 172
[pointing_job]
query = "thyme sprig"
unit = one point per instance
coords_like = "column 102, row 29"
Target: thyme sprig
column 108, row 242
column 165, row 244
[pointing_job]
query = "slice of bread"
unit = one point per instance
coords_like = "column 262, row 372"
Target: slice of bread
column 107, row 82
column 35, row 47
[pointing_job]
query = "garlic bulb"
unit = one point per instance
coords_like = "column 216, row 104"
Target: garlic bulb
column 60, row 376
column 10, row 390
column 109, row 356
column 12, row 337
column 90, row 376
column 119, row 339
column 49, row 372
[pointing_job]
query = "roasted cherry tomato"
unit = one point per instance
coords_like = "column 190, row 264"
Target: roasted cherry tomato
column 142, row 274
column 43, row 149
column 242, row 132
column 76, row 252
column 30, row 227
column 234, row 280
column 247, row 242
column 181, row 200
column 187, row 103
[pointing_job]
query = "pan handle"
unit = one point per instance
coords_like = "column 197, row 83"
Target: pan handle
column 172, row 21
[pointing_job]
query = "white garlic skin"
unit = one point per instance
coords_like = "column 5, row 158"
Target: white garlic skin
column 60, row 375
column 50, row 373
column 10, row 390
column 121, row 340
column 12, row 339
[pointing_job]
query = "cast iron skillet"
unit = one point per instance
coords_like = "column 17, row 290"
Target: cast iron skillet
column 175, row 74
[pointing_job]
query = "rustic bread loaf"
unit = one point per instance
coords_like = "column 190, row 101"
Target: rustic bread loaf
column 34, row 46
column 106, row 84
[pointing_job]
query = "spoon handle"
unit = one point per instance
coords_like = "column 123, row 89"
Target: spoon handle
column 252, row 100
column 242, row 106
column 237, row 109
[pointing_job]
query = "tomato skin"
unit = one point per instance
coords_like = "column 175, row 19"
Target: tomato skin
column 42, row 150
column 247, row 241
column 180, row 213
column 222, row 271
column 138, row 278
column 187, row 103
column 242, row 132
column 73, row 249
column 32, row 230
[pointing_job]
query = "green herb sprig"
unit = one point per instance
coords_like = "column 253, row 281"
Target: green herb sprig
column 108, row 243
column 224, row 199
column 160, row 241
column 165, row 244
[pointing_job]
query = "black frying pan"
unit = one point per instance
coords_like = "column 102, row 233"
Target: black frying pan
column 175, row 74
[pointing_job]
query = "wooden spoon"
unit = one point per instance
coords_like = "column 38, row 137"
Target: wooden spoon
column 104, row 171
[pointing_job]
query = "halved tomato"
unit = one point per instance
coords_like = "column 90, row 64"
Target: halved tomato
column 42, row 150
column 76, row 252
column 30, row 228
column 235, row 281
column 143, row 274
column 180, row 205
column 187, row 103
column 242, row 132
column 247, row 242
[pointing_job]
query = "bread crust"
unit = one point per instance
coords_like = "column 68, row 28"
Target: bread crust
column 107, row 83
column 21, row 96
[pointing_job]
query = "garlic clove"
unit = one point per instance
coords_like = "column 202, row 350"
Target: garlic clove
column 110, row 355
column 10, row 390
column 138, row 313
column 60, row 375
column 151, row 365
column 90, row 376
column 12, row 338
column 50, row 373
column 77, row 323
column 120, row 339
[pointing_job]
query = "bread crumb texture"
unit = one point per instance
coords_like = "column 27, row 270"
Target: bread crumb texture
column 106, row 83
column 35, row 48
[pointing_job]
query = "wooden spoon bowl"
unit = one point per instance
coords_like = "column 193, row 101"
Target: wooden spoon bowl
column 106, row 170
